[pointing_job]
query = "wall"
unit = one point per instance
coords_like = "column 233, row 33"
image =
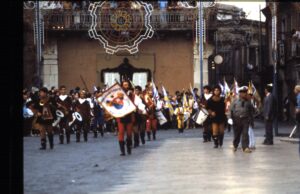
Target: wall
column 170, row 60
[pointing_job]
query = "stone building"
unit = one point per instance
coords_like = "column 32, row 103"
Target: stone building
column 239, row 41
column 287, row 16
column 170, row 57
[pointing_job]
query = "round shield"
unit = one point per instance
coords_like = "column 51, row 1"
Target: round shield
column 78, row 116
column 59, row 113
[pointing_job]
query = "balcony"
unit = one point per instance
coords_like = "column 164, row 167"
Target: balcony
column 183, row 19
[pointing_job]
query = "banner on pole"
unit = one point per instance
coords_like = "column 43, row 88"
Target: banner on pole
column 116, row 102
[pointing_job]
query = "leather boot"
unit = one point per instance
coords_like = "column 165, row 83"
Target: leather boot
column 221, row 137
column 128, row 145
column 68, row 137
column 142, row 134
column 77, row 136
column 122, row 148
column 101, row 131
column 154, row 135
column 95, row 133
column 50, row 137
column 43, row 144
column 85, row 136
column 215, row 138
column 208, row 136
column 149, row 135
column 205, row 137
column 61, row 138
column 136, row 140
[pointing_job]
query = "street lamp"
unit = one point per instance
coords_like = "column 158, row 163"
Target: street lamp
column 218, row 59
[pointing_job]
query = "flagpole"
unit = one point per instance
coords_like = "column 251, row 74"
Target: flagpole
column 201, row 44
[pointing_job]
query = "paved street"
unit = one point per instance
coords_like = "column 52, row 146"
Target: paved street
column 174, row 163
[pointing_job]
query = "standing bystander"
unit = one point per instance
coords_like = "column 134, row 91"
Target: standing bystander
column 268, row 112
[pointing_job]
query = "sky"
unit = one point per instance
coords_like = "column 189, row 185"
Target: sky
column 251, row 8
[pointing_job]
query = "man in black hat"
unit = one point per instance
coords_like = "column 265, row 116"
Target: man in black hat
column 241, row 114
column 268, row 112
column 45, row 113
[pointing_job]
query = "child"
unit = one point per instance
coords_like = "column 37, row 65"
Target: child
column 179, row 112
column 251, row 126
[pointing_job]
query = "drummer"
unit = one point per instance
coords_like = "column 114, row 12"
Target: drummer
column 203, row 104
column 64, row 104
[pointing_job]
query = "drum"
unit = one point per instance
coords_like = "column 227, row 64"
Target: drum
column 186, row 116
column 160, row 117
column 59, row 113
column 78, row 116
column 201, row 116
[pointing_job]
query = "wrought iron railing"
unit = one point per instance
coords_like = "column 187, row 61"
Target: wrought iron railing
column 168, row 20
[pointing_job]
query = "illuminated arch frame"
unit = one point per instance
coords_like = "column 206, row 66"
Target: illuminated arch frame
column 132, row 49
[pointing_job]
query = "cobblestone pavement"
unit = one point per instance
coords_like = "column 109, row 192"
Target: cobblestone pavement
column 174, row 163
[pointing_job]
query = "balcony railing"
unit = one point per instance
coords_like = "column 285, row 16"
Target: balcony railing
column 81, row 20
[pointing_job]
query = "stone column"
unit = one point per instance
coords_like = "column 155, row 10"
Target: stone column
column 50, row 64
column 207, row 51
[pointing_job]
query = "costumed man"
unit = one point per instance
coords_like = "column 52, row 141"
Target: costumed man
column 45, row 115
column 228, row 100
column 98, row 116
column 125, row 123
column 64, row 104
column 195, row 107
column 167, row 111
column 88, row 97
column 27, row 113
column 140, row 117
column 82, row 106
column 187, row 105
column 203, row 104
column 151, row 123
column 179, row 112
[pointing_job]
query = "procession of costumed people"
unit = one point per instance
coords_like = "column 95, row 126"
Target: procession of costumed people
column 135, row 114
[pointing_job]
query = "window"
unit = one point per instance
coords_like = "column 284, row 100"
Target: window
column 109, row 78
column 221, row 17
column 140, row 79
column 298, row 21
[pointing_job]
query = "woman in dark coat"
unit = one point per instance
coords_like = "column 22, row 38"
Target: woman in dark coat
column 216, row 108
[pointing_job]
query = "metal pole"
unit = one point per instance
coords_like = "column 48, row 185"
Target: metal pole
column 201, row 44
column 38, row 43
column 260, row 44
column 274, row 23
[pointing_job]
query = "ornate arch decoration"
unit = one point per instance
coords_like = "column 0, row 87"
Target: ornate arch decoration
column 126, row 71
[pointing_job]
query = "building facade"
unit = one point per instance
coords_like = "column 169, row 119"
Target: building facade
column 239, row 41
column 283, row 18
column 170, row 57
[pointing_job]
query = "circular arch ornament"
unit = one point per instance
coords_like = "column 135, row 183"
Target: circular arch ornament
column 120, row 25
column 28, row 4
